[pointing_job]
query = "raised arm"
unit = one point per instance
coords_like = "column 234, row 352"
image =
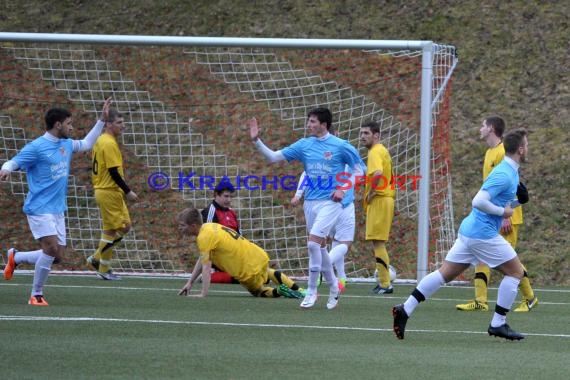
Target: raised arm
column 89, row 140
column 269, row 154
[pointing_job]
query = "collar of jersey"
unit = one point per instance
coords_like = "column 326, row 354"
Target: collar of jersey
column 512, row 162
column 323, row 138
column 51, row 137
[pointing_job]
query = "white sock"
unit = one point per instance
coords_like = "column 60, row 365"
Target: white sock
column 431, row 284
column 506, row 295
column 315, row 262
column 41, row 273
column 336, row 255
column 324, row 252
column 427, row 286
column 498, row 320
column 328, row 272
column 29, row 257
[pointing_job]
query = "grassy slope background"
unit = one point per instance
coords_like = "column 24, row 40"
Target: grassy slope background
column 513, row 62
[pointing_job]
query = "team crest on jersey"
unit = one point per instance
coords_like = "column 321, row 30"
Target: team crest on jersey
column 328, row 155
column 62, row 151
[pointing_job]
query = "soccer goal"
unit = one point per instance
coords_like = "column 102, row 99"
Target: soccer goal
column 186, row 101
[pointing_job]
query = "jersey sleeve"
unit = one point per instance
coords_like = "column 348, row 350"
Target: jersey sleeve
column 495, row 183
column 375, row 163
column 205, row 243
column 353, row 158
column 294, row 151
column 112, row 155
column 27, row 157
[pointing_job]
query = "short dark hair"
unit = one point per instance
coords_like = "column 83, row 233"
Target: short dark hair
column 323, row 114
column 190, row 215
column 53, row 115
column 498, row 125
column 224, row 185
column 113, row 115
column 513, row 140
column 373, row 126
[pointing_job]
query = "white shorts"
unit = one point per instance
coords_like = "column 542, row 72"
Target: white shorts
column 492, row 252
column 321, row 216
column 345, row 225
column 48, row 225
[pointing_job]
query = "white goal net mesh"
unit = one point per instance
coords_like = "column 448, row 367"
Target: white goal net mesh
column 185, row 111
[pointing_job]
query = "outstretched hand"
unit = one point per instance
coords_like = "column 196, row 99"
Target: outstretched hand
column 253, row 128
column 106, row 107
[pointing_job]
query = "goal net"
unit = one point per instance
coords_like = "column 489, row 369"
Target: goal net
column 185, row 109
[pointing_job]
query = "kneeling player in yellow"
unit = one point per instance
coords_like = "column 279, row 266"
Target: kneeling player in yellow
column 233, row 254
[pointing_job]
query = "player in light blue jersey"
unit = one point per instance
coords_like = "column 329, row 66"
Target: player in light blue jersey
column 479, row 240
column 46, row 161
column 342, row 233
column 324, row 158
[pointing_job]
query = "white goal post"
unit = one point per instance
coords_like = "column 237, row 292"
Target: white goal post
column 220, row 56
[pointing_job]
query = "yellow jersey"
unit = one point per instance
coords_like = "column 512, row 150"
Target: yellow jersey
column 493, row 157
column 106, row 154
column 230, row 252
column 379, row 159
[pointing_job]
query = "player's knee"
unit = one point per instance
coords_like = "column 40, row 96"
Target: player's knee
column 516, row 271
column 519, row 273
column 57, row 256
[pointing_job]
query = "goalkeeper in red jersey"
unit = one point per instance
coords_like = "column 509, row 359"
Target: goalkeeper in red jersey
column 232, row 253
column 221, row 211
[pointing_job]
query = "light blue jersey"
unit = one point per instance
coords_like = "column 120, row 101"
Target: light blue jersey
column 323, row 159
column 501, row 185
column 349, row 194
column 46, row 161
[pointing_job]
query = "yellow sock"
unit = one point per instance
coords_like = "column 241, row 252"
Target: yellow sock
column 277, row 277
column 106, row 240
column 105, row 262
column 382, row 262
column 267, row 292
column 482, row 277
column 525, row 288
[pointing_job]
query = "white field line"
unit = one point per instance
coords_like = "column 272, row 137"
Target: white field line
column 232, row 324
column 321, row 291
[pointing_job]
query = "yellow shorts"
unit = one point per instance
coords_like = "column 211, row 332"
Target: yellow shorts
column 379, row 215
column 256, row 283
column 513, row 236
column 113, row 209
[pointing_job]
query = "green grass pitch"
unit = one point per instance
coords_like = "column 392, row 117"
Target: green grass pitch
column 140, row 328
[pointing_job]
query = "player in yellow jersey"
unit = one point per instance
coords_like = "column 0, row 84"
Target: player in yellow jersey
column 232, row 253
column 110, row 192
column 379, row 194
column 492, row 131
